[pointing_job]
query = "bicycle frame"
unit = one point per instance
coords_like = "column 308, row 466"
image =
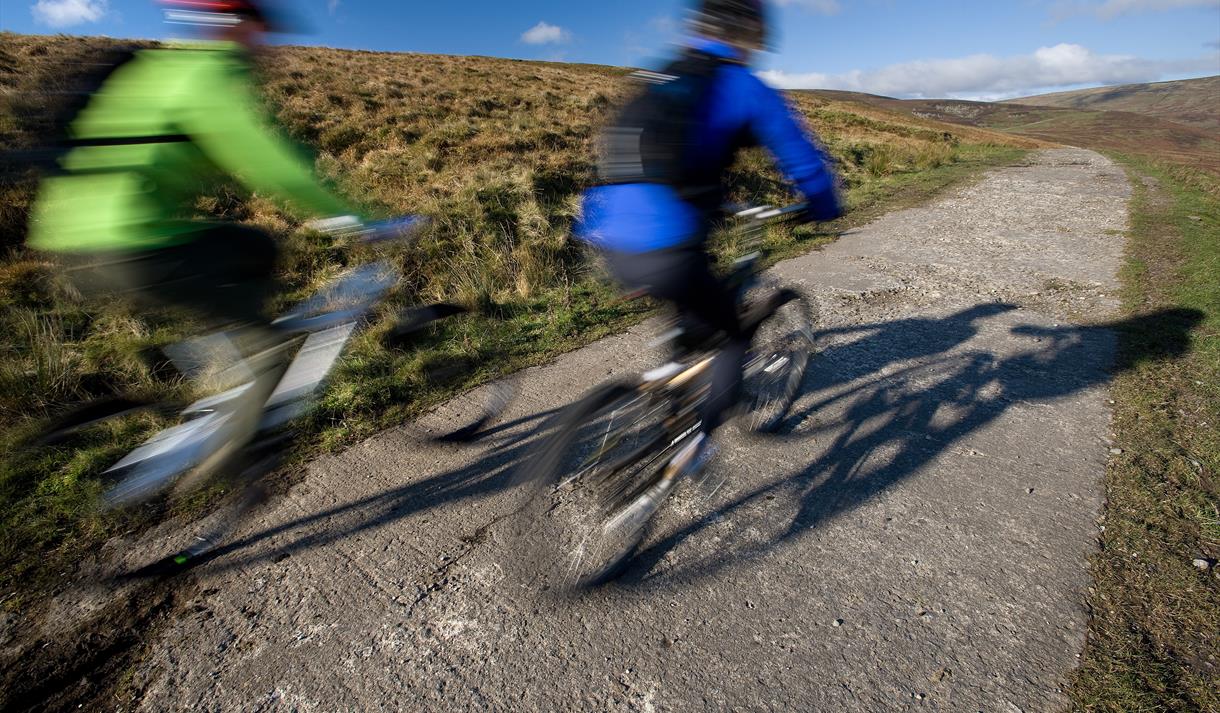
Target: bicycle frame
column 321, row 326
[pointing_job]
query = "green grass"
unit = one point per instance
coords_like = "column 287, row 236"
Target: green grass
column 1155, row 616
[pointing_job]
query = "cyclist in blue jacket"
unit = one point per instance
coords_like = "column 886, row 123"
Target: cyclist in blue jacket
column 661, row 166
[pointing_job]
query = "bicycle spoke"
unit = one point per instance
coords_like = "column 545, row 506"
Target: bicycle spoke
column 601, row 460
column 783, row 344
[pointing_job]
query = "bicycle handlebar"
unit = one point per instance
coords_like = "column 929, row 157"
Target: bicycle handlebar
column 400, row 228
column 770, row 214
column 370, row 233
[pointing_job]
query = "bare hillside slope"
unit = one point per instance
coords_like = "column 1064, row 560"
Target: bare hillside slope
column 1124, row 131
column 1194, row 102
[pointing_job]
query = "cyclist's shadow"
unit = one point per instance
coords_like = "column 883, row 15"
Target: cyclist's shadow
column 487, row 474
column 894, row 398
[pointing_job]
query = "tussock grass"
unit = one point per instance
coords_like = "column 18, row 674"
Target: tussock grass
column 49, row 366
column 497, row 151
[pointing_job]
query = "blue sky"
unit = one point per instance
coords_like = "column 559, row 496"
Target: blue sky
column 909, row 48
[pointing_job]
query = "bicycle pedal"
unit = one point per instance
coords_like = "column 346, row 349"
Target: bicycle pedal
column 694, row 457
column 202, row 546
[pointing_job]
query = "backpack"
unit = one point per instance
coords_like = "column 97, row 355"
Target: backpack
column 651, row 137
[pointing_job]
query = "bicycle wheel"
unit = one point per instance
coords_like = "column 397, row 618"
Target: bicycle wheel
column 779, row 355
column 95, row 413
column 499, row 397
column 605, row 451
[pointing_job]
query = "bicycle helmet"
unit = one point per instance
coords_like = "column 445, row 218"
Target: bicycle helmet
column 743, row 21
column 218, row 13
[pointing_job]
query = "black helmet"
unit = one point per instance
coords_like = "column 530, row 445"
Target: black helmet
column 736, row 20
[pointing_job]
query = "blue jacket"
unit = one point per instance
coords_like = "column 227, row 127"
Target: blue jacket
column 644, row 217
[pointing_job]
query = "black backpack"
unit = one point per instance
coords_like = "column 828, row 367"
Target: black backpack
column 650, row 139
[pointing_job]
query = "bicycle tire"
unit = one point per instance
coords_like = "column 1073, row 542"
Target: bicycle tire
column 561, row 538
column 780, row 353
column 97, row 412
column 500, row 396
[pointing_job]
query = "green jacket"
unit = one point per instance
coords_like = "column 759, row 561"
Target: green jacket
column 163, row 127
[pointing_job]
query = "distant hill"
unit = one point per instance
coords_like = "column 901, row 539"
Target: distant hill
column 1195, row 102
column 1125, row 131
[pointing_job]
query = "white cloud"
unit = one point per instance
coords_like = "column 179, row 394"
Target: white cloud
column 824, row 7
column 332, row 6
column 545, row 33
column 65, row 13
column 987, row 76
column 1109, row 9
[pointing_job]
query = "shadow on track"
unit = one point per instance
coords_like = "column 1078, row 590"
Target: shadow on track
column 910, row 412
column 483, row 477
column 895, row 421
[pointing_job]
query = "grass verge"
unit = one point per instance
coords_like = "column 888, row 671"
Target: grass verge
column 1155, row 603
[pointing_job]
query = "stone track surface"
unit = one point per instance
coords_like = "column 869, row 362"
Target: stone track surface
column 915, row 540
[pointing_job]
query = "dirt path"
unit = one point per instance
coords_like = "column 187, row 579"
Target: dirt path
column 917, row 540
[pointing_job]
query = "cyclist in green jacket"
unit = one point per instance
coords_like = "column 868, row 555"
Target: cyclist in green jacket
column 162, row 127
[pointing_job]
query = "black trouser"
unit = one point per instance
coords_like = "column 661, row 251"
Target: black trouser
column 706, row 307
column 223, row 273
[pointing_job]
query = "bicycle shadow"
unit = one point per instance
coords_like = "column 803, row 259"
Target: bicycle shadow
column 887, row 403
column 903, row 393
column 485, row 476
column 493, row 472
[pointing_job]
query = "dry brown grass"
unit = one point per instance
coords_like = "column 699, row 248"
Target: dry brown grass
column 497, row 150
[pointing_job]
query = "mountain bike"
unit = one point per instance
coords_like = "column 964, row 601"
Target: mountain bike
column 604, row 470
column 242, row 431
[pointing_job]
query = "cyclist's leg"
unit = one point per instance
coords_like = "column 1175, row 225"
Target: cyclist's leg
column 224, row 273
column 705, row 299
column 705, row 304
